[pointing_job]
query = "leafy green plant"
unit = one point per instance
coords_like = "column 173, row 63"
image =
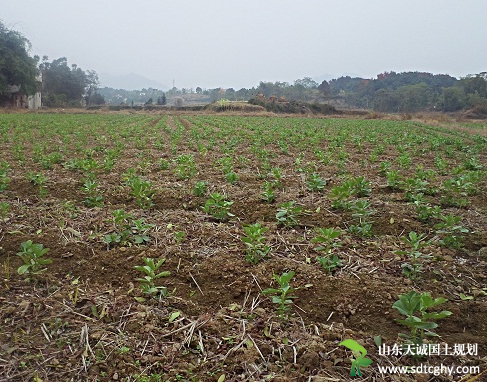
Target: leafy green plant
column 218, row 207
column 473, row 164
column 393, row 179
column 33, row 258
column 142, row 190
column 451, row 231
column 200, row 188
column 4, row 210
column 185, row 168
column 4, row 179
column 231, row 177
column 148, row 282
column 328, row 239
column 255, row 240
column 316, row 183
column 140, row 231
column 384, row 167
column 329, row 262
column 361, row 212
column 39, row 180
column 93, row 199
column 282, row 296
column 414, row 306
column 416, row 243
column 424, row 210
column 268, row 194
column 288, row 213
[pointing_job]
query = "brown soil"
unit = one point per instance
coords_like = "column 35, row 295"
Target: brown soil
column 80, row 319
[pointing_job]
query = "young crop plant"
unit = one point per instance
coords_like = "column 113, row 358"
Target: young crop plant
column 200, row 188
column 140, row 230
column 416, row 243
column 4, row 210
column 288, row 214
column 316, row 183
column 33, row 257
column 4, row 179
column 148, row 282
column 142, row 190
column 358, row 186
column 384, row 167
column 456, row 190
column 361, row 212
column 283, row 295
column 93, row 198
column 231, row 177
column 473, row 164
column 451, row 231
column 254, row 239
column 185, row 168
column 421, row 323
column 39, row 180
column 425, row 211
column 268, row 194
column 393, row 179
column 328, row 239
column 218, row 207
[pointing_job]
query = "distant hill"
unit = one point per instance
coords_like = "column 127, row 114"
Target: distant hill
column 131, row 81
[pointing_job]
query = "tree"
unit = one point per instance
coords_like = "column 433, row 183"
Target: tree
column 453, row 98
column 325, row 88
column 16, row 66
column 307, row 82
column 65, row 86
column 199, row 90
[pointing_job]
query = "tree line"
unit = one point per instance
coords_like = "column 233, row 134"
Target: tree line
column 61, row 85
column 68, row 85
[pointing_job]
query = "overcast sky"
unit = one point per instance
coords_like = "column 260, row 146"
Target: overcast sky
column 226, row 43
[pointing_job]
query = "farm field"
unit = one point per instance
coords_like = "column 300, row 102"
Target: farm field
column 333, row 219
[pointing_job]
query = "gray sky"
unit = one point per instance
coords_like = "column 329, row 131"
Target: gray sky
column 236, row 44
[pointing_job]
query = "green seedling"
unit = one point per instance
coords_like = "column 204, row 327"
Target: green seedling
column 255, row 240
column 288, row 213
column 414, row 306
column 142, row 190
column 361, row 213
column 451, row 232
column 39, row 180
column 200, row 188
column 316, row 183
column 4, row 210
column 393, row 179
column 384, row 168
column 268, row 194
column 111, row 239
column 416, row 243
column 150, row 270
column 33, row 258
column 185, row 168
column 231, row 177
column 327, row 238
column 140, row 231
column 330, row 262
column 218, row 207
column 4, row 179
column 282, row 296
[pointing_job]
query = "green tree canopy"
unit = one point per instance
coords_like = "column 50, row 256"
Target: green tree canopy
column 16, row 66
column 63, row 85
